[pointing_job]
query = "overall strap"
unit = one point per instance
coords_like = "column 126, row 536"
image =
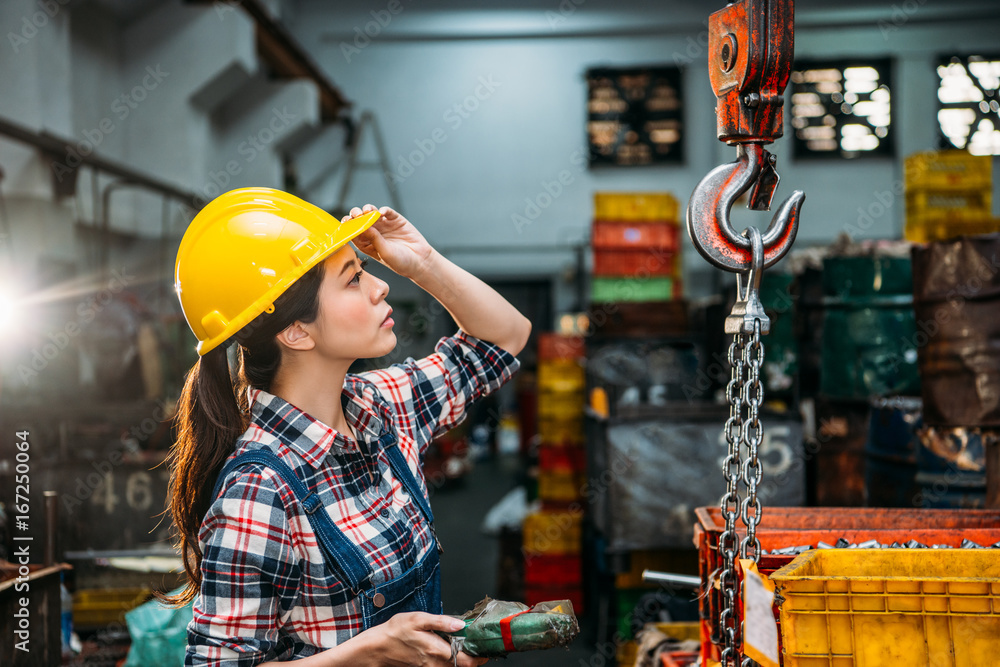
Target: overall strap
column 339, row 550
column 402, row 471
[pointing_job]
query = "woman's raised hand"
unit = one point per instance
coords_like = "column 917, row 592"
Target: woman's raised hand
column 393, row 241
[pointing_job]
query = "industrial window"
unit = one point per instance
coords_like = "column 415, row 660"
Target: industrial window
column 634, row 115
column 969, row 116
column 842, row 109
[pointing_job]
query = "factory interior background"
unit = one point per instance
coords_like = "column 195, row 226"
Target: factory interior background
column 550, row 148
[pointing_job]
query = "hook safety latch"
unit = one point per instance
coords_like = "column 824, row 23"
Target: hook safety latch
column 748, row 308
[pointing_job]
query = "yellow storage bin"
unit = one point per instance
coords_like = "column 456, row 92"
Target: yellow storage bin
column 922, row 202
column 940, row 227
column 565, row 406
column 681, row 631
column 560, row 485
column 948, row 170
column 626, row 653
column 561, row 431
column 98, row 607
column 636, row 206
column 876, row 607
column 552, row 533
column 561, row 376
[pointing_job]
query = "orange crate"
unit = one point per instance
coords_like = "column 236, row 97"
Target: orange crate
column 623, row 235
column 782, row 527
column 679, row 658
column 552, row 346
column 647, row 262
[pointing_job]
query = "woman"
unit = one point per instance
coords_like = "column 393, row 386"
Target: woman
column 296, row 488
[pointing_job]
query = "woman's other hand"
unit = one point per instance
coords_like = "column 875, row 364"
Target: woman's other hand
column 410, row 639
column 393, row 241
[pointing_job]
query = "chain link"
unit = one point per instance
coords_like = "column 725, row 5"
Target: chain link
column 743, row 429
column 731, row 501
column 751, row 435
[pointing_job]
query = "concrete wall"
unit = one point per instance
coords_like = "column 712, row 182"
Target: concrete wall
column 510, row 118
column 171, row 89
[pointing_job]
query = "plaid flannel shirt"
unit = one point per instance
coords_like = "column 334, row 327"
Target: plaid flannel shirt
column 266, row 592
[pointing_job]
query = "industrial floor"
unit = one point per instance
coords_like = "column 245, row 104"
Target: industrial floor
column 469, row 563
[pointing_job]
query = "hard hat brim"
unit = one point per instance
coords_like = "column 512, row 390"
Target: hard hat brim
column 344, row 234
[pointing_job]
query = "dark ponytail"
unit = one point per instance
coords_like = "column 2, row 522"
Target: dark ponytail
column 213, row 412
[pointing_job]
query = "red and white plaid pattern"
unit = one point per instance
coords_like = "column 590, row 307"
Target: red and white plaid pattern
column 267, row 593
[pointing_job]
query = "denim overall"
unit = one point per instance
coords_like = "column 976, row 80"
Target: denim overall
column 417, row 589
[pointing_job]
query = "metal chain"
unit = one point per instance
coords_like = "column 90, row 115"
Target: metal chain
column 752, row 433
column 731, row 501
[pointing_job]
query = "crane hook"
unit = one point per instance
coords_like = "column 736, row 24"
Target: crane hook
column 708, row 211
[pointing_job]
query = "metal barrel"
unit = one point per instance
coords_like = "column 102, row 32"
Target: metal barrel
column 868, row 340
column 891, row 452
column 951, row 466
column 956, row 290
column 836, row 456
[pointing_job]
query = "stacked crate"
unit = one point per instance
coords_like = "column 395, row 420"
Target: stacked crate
column 552, row 564
column 552, row 542
column 636, row 243
column 561, row 396
column 948, row 194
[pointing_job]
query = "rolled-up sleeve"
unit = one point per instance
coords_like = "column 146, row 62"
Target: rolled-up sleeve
column 431, row 395
column 249, row 576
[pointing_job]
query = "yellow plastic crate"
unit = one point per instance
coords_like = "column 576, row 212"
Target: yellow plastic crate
column 552, row 533
column 626, row 653
column 948, row 170
column 561, row 405
column 561, row 431
column 681, row 631
column 560, row 485
column 929, row 202
column 99, row 607
column 940, row 227
column 876, row 607
column 561, row 376
column 636, row 206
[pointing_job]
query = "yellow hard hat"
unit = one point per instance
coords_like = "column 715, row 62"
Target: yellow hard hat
column 244, row 249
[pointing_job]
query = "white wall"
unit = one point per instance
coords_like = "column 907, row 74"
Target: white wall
column 171, row 89
column 527, row 130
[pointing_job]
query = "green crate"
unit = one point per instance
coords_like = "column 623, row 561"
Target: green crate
column 627, row 599
column 610, row 290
